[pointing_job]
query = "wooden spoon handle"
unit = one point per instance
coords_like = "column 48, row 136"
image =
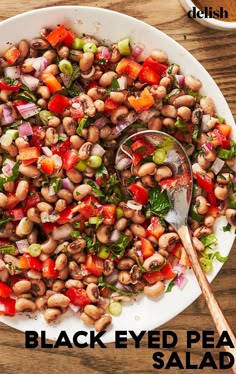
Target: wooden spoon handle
column 214, row 308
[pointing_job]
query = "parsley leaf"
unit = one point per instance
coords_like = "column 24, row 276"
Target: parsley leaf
column 82, row 124
column 114, row 86
column 103, row 284
column 96, row 190
column 171, row 284
column 13, row 177
column 159, row 203
column 118, row 247
column 101, row 171
column 227, row 227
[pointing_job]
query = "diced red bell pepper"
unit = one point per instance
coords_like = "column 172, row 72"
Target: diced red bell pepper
column 60, row 149
column 56, row 36
column 110, row 104
column 76, row 108
column 5, row 290
column 109, row 212
column 211, row 198
column 213, row 211
column 48, row 269
column 68, row 40
column 155, row 65
column 29, row 161
column 224, row 129
column 13, row 279
column 70, row 158
column 9, row 86
column 143, row 102
column 205, row 182
column 51, row 82
column 141, row 149
column 140, row 194
column 4, row 242
column 217, row 138
column 67, row 214
column 11, row 55
column 58, row 103
column 78, row 296
column 17, row 214
column 168, row 272
column 49, row 226
column 147, row 248
column 149, row 76
column 26, row 261
column 32, row 199
column 179, row 252
column 176, row 181
column 128, row 67
column 92, row 84
column 90, row 207
column 7, row 306
column 153, row 277
column 28, row 153
column 12, row 201
column 37, row 139
column 155, row 228
column 94, row 265
column 47, row 165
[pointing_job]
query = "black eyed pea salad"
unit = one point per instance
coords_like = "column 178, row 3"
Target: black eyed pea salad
column 69, row 237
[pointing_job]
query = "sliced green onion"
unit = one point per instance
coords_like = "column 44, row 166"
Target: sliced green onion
column 34, row 250
column 78, row 43
column 124, row 47
column 209, row 240
column 8, row 249
column 81, row 165
column 65, row 67
column 94, row 162
column 225, row 154
column 206, row 264
column 13, row 133
column 115, row 308
column 220, row 119
column 159, row 156
column 195, row 215
column 75, row 234
column 232, row 203
column 93, row 220
column 44, row 116
column 119, row 212
column 90, row 47
column 103, row 252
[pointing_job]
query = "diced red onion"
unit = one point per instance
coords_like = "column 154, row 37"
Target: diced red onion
column 47, row 151
column 25, row 129
column 112, row 278
column 101, row 122
column 51, row 191
column 181, row 281
column 105, row 53
column 88, row 75
column 123, row 163
column 74, row 308
column 67, row 184
column 7, row 115
column 205, row 119
column 22, row 245
column 123, row 82
column 27, row 110
column 180, row 80
column 178, row 268
column 30, row 81
column 137, row 50
column 65, row 78
column 12, row 72
column 133, row 205
column 62, row 232
column 209, row 145
column 7, row 168
column 217, row 165
column 233, row 167
column 115, row 235
column 97, row 150
column 122, row 287
column 39, row 64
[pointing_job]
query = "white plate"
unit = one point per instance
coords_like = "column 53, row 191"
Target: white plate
column 109, row 26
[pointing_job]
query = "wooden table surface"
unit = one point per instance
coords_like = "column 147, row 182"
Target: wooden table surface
column 216, row 51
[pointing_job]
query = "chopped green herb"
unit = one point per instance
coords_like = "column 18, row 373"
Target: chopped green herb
column 209, row 240
column 103, row 284
column 95, row 189
column 171, row 284
column 159, row 203
column 56, row 184
column 118, row 247
column 13, row 177
column 9, row 249
column 227, row 227
column 4, row 220
column 220, row 119
column 114, row 86
column 82, row 124
column 101, row 171
column 196, row 132
column 181, row 125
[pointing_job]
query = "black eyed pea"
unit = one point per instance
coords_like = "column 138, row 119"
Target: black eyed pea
column 74, row 175
column 50, row 55
column 86, row 61
column 231, row 216
column 87, row 319
column 168, row 122
column 51, row 314
column 169, row 111
column 162, row 172
column 211, row 155
column 153, row 261
column 65, row 195
column 155, row 290
column 207, row 105
column 42, row 102
column 51, row 136
column 63, row 51
column 58, row 286
column 97, row 93
column 167, row 240
column 138, row 217
column 44, row 207
column 33, row 215
column 121, row 224
column 121, row 111
column 138, row 230
column 148, row 168
column 53, row 69
column 75, row 271
column 184, row 100
column 90, row 279
column 196, row 168
column 202, row 231
column 30, row 171
column 54, row 121
column 4, row 275
column 148, row 181
column 22, row 190
column 165, row 81
column 25, row 305
column 3, row 200
column 38, row 43
column 81, row 191
column 24, row 227
column 74, row 283
column 64, row 273
column 10, row 149
column 155, row 123
column 192, row 83
column 34, row 274
column 60, row 205
column 21, row 287
column 159, row 55
column 76, row 141
column 119, row 97
column 61, row 261
column 201, row 205
column 198, row 245
column 79, row 257
column 158, row 92
column 106, row 78
column 41, row 302
column 105, row 132
column 208, row 221
column 84, row 151
column 44, row 92
column 224, row 178
column 58, row 300
column 93, row 293
column 108, row 267
column 46, row 196
column 184, row 113
column 76, row 246
column 163, row 253
column 93, row 311
column 103, row 322
column 99, row 105
column 49, row 245
column 2, row 265
column 221, row 192
column 201, row 159
column 93, row 134
column 125, row 263
column 21, row 143
column 69, row 125
column 103, row 233
column 23, row 47
column 38, row 287
column 27, row 66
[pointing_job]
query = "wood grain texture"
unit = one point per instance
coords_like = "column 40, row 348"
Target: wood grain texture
column 217, row 52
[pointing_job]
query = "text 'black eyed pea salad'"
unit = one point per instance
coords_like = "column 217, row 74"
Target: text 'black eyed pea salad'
column 69, row 238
